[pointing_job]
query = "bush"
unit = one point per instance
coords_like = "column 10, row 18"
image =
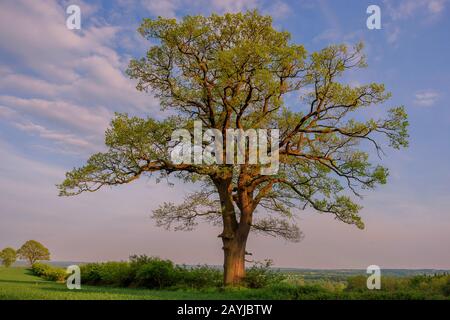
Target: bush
column 198, row 277
column 90, row 273
column 39, row 268
column 116, row 273
column 150, row 272
column 446, row 287
column 156, row 273
column 356, row 283
column 136, row 263
column 107, row 273
column 406, row 288
column 56, row 274
column 48, row 272
column 260, row 275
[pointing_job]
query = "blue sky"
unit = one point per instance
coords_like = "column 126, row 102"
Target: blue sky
column 59, row 88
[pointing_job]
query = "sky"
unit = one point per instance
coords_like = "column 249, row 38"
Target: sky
column 59, row 88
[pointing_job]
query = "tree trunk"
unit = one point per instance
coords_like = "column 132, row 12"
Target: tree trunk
column 234, row 236
column 234, row 257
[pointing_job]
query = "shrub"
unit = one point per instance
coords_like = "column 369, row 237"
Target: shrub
column 56, row 274
column 356, row 283
column 107, row 273
column 260, row 275
column 417, row 287
column 39, row 268
column 90, row 273
column 198, row 277
column 115, row 273
column 446, row 287
column 137, row 262
column 48, row 272
column 156, row 273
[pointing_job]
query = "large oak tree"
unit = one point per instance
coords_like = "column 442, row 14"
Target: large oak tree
column 237, row 71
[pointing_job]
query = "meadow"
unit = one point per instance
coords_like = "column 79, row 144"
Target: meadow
column 21, row 283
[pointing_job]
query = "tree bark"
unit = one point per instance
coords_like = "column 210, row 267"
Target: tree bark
column 235, row 233
column 234, row 258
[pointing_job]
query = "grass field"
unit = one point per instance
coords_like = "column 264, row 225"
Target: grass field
column 19, row 283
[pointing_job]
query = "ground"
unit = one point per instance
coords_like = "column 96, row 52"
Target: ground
column 19, row 283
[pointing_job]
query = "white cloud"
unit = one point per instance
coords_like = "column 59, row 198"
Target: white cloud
column 393, row 33
column 436, row 6
column 278, row 10
column 66, row 83
column 164, row 8
column 424, row 11
column 405, row 9
column 78, row 65
column 234, row 5
column 61, row 138
column 327, row 35
column 426, row 98
column 168, row 8
column 67, row 114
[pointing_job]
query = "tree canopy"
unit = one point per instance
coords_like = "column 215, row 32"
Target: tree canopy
column 8, row 256
column 33, row 251
column 237, row 71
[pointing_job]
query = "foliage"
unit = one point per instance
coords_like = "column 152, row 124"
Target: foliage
column 91, row 273
column 423, row 286
column 49, row 272
column 8, row 256
column 234, row 71
column 107, row 273
column 156, row 274
column 261, row 275
column 18, row 283
column 33, row 251
column 115, row 273
column 446, row 288
column 198, row 277
column 150, row 272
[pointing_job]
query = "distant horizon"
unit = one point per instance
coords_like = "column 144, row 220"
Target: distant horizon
column 68, row 262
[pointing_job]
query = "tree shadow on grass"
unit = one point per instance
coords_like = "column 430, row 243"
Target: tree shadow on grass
column 25, row 281
column 29, row 272
column 109, row 294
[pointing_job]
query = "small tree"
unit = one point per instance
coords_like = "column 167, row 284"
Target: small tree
column 33, row 251
column 8, row 256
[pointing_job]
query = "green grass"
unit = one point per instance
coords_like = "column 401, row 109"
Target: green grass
column 20, row 283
